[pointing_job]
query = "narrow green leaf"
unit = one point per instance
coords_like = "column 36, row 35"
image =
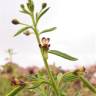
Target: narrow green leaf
column 87, row 83
column 22, row 30
column 37, row 84
column 27, row 13
column 42, row 13
column 69, row 76
column 15, row 91
column 63, row 55
column 48, row 30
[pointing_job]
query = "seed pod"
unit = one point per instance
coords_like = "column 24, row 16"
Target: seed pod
column 15, row 22
column 44, row 5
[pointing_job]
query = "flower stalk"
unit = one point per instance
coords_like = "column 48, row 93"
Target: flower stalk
column 44, row 58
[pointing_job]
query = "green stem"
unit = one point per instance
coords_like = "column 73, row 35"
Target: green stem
column 44, row 59
column 11, row 58
column 27, row 25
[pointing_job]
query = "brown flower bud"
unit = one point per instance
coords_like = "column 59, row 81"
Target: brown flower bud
column 27, row 33
column 15, row 22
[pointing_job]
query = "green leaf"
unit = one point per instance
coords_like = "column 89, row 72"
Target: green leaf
column 87, row 83
column 69, row 76
column 15, row 91
column 27, row 13
column 37, row 84
column 22, row 30
column 42, row 13
column 63, row 55
column 48, row 30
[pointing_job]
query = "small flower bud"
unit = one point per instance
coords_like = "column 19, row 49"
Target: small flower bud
column 44, row 5
column 15, row 22
column 22, row 6
column 27, row 33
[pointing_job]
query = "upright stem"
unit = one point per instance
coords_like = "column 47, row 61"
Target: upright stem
column 11, row 58
column 44, row 59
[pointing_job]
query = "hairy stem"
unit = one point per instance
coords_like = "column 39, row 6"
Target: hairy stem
column 44, row 59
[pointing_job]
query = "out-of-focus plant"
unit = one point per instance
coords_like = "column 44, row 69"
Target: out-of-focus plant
column 45, row 85
column 10, row 55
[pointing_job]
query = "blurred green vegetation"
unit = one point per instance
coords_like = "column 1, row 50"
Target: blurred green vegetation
column 11, row 69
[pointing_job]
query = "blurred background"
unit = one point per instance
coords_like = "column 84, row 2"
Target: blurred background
column 75, row 35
